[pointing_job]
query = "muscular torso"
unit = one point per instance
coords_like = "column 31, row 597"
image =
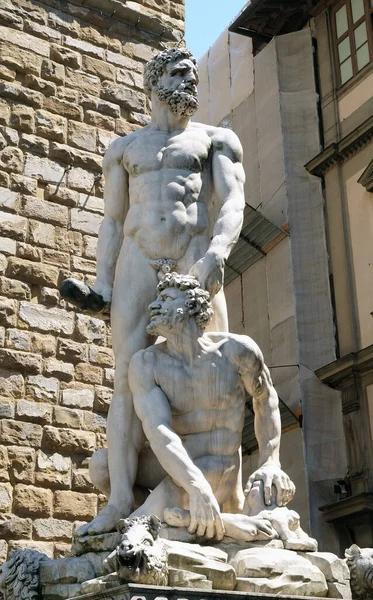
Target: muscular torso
column 207, row 400
column 169, row 191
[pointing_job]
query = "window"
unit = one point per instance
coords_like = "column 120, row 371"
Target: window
column 352, row 24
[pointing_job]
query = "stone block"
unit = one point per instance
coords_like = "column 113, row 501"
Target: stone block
column 11, row 159
column 42, row 388
column 3, row 551
column 69, row 440
column 18, row 433
column 91, row 203
column 69, row 417
column 87, row 373
column 14, row 288
column 82, row 181
column 10, row 136
column 83, row 265
column 62, row 550
column 52, row 529
column 51, row 126
column 35, row 273
column 84, row 47
column 32, row 501
column 74, row 505
column 63, row 108
column 22, row 464
column 42, row 234
column 24, row 361
column 75, row 156
column 18, row 340
column 81, row 481
column 89, row 329
column 43, row 344
column 3, row 263
column 7, row 410
column 57, row 368
column 104, row 139
column 339, row 590
column 50, row 320
column 82, row 136
column 130, row 79
column 334, row 568
column 46, row 211
column 49, row 296
column 23, row 117
column 109, row 375
column 72, row 351
column 52, row 71
column 24, row 185
column 6, row 497
column 44, row 169
column 13, row 226
column 28, row 252
column 61, row 195
column 53, row 471
column 8, row 312
column 21, row 94
column 47, row 88
column 125, row 97
column 4, row 464
column 37, row 412
column 123, row 61
column 9, row 200
column 188, row 579
column 101, row 356
column 54, row 257
column 8, row 246
column 15, row 528
column 66, row 56
column 11, row 384
column 82, row 81
column 89, row 246
column 43, row 547
column 80, row 398
column 42, row 31
column 34, row 144
column 100, row 68
column 20, row 59
column 24, row 40
column 97, row 120
column 108, row 108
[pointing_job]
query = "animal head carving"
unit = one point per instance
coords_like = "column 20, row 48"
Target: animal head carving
column 19, row 577
column 141, row 556
column 360, row 563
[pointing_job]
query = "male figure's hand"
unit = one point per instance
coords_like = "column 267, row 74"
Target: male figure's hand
column 272, row 474
column 209, row 271
column 205, row 518
column 104, row 290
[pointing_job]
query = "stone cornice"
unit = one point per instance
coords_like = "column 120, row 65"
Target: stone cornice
column 348, row 507
column 338, row 152
column 343, row 371
column 366, row 178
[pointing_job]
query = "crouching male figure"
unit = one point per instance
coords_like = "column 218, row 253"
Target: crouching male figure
column 189, row 393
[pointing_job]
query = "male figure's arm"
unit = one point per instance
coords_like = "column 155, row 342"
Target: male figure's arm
column 228, row 181
column 110, row 236
column 153, row 409
column 267, row 423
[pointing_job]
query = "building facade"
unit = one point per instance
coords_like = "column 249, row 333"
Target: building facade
column 295, row 84
column 70, row 82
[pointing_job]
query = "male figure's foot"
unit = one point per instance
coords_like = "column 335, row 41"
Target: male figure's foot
column 104, row 522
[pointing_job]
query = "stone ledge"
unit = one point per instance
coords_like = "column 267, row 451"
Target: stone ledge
column 148, row 592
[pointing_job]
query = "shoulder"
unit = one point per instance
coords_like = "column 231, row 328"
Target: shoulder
column 224, row 141
column 114, row 153
column 243, row 351
column 141, row 366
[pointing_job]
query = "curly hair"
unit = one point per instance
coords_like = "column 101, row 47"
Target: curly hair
column 197, row 300
column 155, row 67
column 20, row 575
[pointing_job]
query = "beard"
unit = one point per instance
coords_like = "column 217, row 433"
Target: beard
column 181, row 102
column 161, row 322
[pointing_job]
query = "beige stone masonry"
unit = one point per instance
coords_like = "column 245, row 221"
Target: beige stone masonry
column 70, row 83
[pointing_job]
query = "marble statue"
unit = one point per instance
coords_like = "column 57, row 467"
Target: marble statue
column 189, row 394
column 164, row 185
column 360, row 563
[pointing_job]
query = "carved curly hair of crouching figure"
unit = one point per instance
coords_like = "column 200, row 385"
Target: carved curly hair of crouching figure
column 197, row 300
column 19, row 576
column 155, row 67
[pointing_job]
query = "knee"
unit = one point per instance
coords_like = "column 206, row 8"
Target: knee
column 99, row 470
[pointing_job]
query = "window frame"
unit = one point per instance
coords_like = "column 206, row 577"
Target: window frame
column 367, row 18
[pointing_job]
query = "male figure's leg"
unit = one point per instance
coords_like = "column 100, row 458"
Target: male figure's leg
column 134, row 289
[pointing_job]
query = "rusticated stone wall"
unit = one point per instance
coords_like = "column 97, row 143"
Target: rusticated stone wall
column 70, row 82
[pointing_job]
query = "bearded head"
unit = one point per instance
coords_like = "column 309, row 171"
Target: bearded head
column 173, row 74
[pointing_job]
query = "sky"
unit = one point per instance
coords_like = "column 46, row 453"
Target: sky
column 205, row 21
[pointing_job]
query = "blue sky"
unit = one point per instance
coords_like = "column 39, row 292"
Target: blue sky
column 206, row 19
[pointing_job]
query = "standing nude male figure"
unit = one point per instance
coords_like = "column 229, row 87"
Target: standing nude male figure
column 161, row 184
